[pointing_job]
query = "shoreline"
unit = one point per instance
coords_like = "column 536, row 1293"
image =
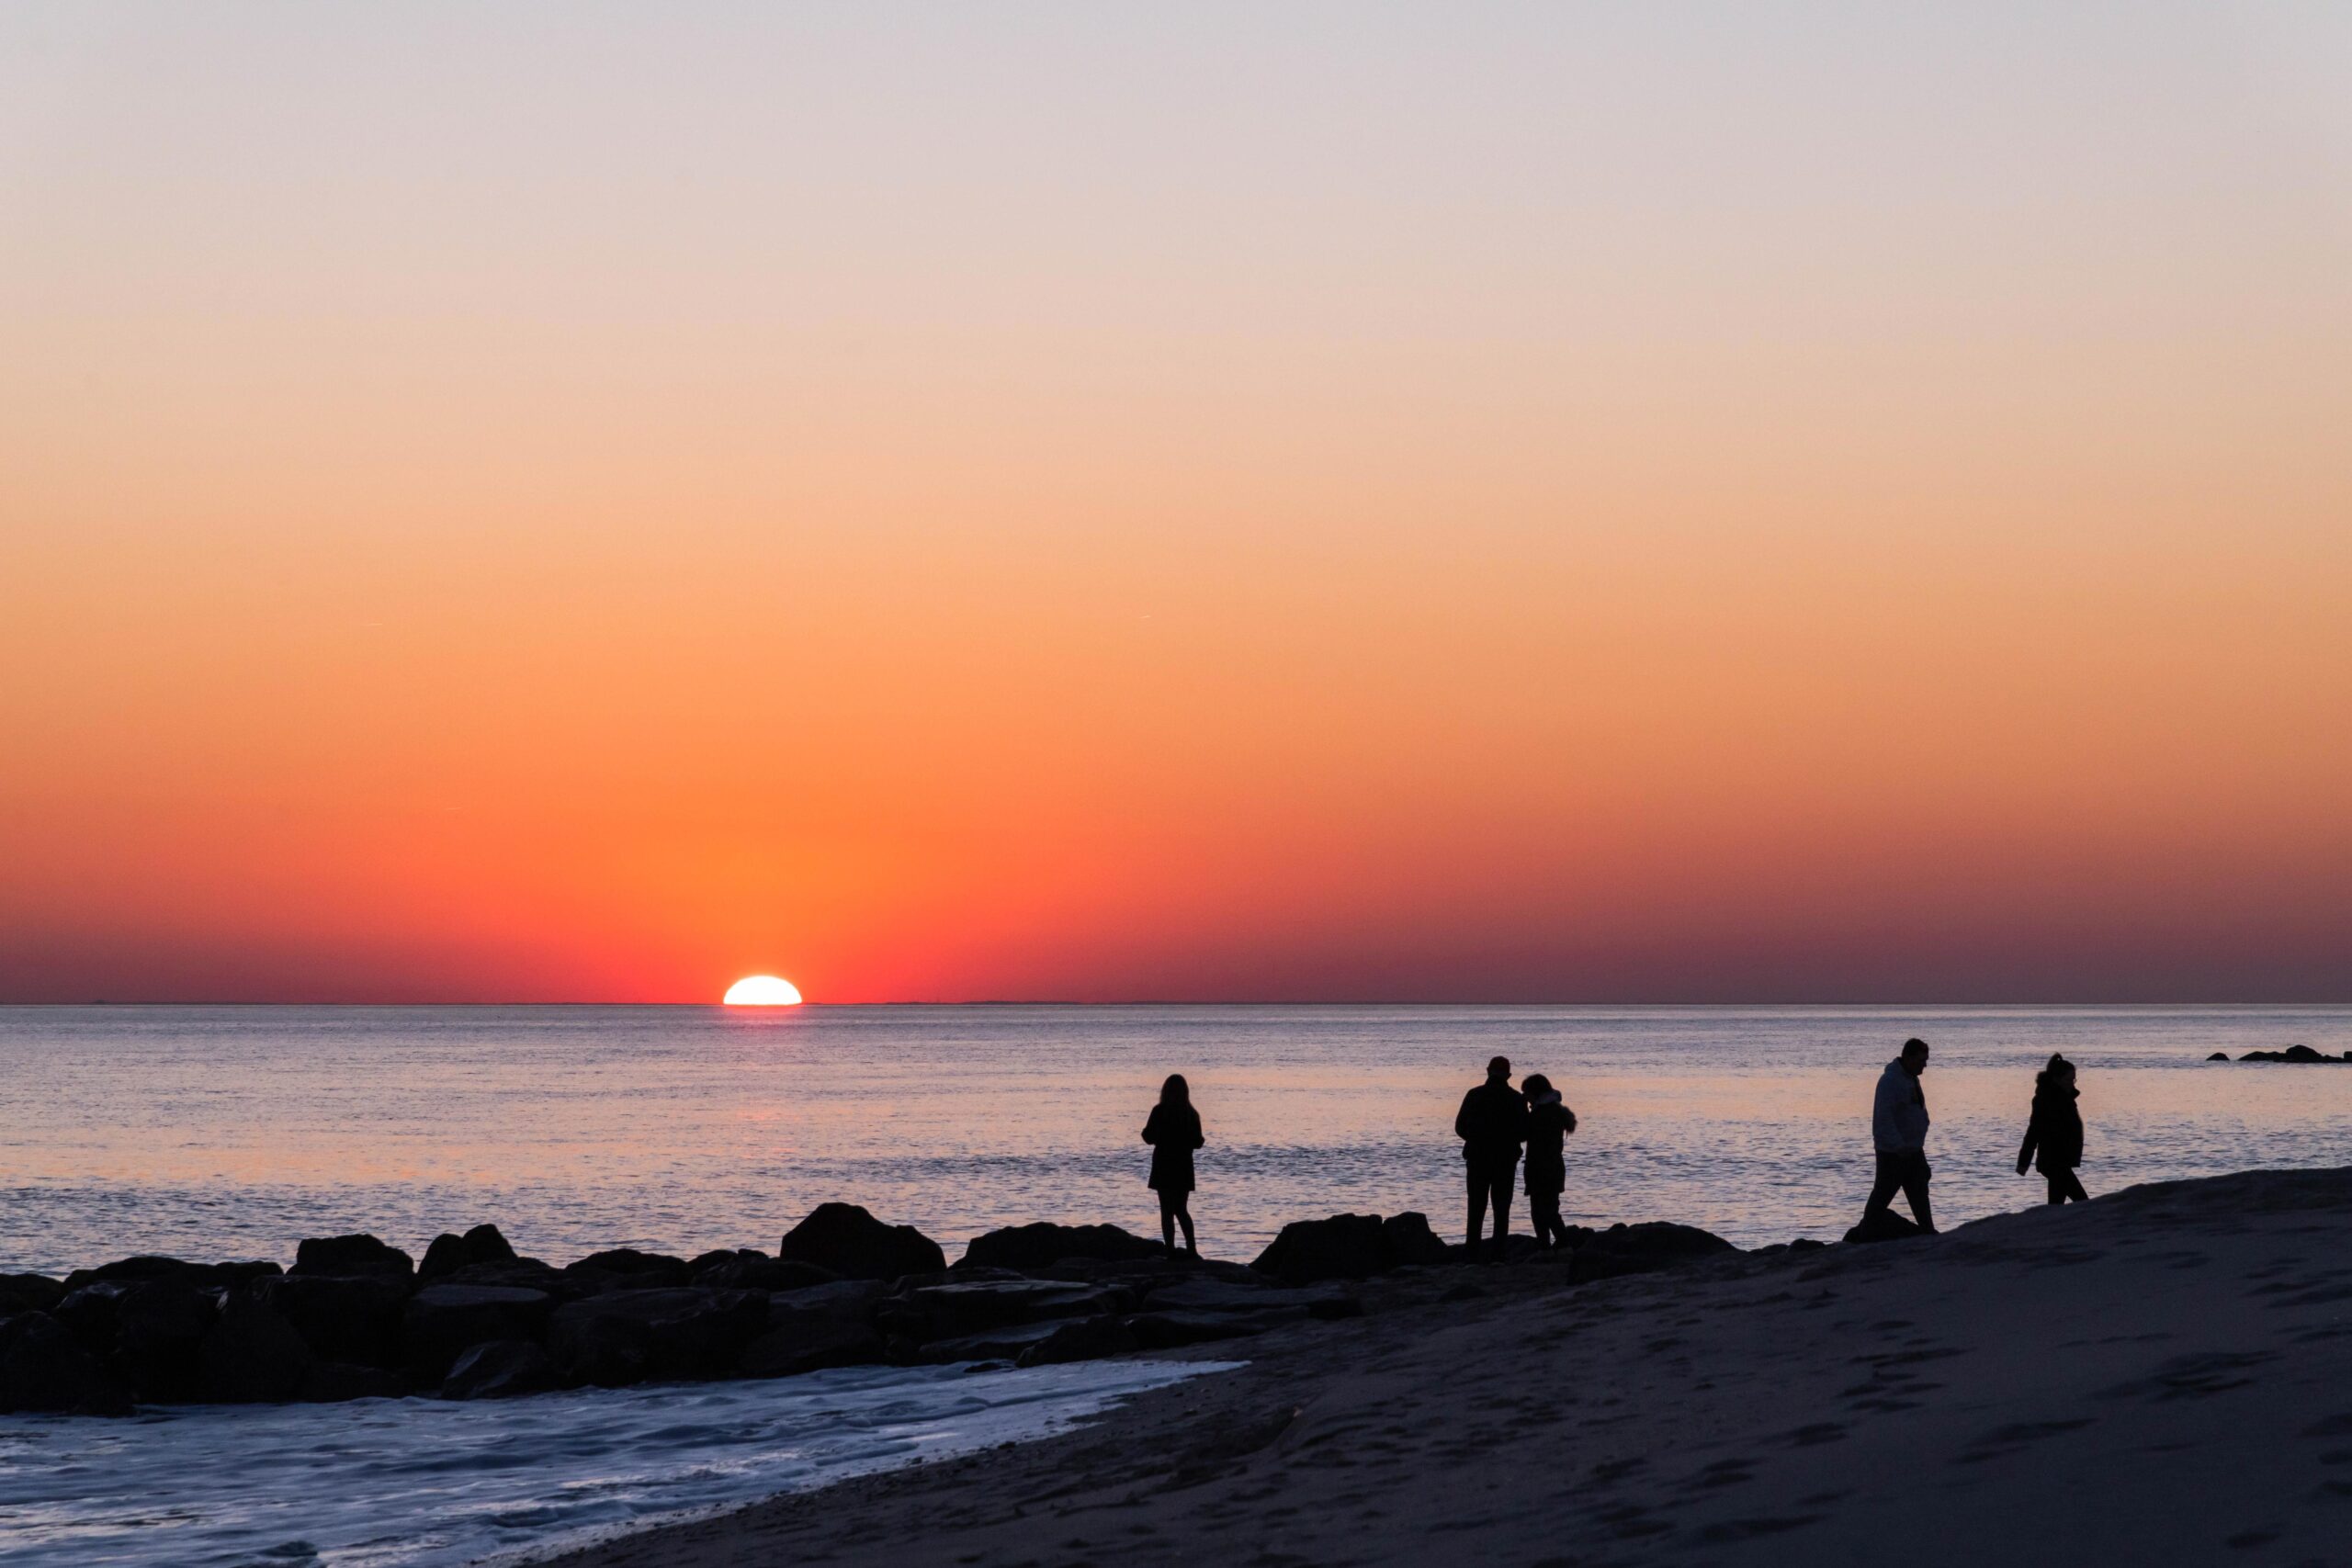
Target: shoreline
column 2163, row 1375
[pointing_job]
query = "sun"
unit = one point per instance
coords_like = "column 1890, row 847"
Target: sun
column 762, row 991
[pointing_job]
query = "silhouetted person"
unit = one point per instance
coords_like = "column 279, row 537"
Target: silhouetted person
column 1492, row 1124
column 1549, row 1122
column 1173, row 1131
column 2055, row 1131
column 1899, row 1133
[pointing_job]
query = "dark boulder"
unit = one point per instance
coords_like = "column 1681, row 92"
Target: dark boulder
column 44, row 1368
column 483, row 1244
column 683, row 1332
column 253, row 1355
column 1214, row 1296
column 160, row 1329
column 1014, row 1341
column 500, row 1369
column 758, row 1271
column 1883, row 1225
column 945, row 1312
column 1345, row 1247
column 1080, row 1340
column 626, row 1269
column 2294, row 1054
column 28, row 1292
column 345, row 1256
column 442, row 1321
column 351, row 1317
column 808, row 1344
column 333, row 1382
column 843, row 1300
column 2219, row 1056
column 521, row 1274
column 203, row 1276
column 1640, row 1249
column 93, row 1314
column 1041, row 1246
column 851, row 1242
column 1406, row 1241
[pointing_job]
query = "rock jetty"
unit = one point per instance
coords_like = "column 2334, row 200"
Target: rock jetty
column 354, row 1317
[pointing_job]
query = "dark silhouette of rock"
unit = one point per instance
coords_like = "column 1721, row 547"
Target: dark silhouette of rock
column 93, row 1313
column 500, row 1369
column 28, row 1292
column 523, row 1274
column 353, row 1318
column 758, row 1271
column 1041, row 1246
column 1345, row 1247
column 809, row 1343
column 950, row 1311
column 2294, row 1054
column 851, row 1242
column 482, row 1245
column 683, row 1332
column 442, row 1321
column 1080, row 1340
column 1641, row 1249
column 253, row 1355
column 1012, row 1341
column 333, row 1382
column 2219, row 1056
column 1884, row 1225
column 843, row 1300
column 1216, row 1295
column 160, row 1329
column 44, row 1368
column 345, row 1256
column 203, row 1276
column 626, row 1269
column 1406, row 1241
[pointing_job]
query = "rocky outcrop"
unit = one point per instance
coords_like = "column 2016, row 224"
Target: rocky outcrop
column 1350, row 1247
column 1640, row 1249
column 851, row 1242
column 344, row 1257
column 625, row 1337
column 253, row 1355
column 501, row 1370
column 2295, row 1054
column 1883, row 1225
column 626, row 1269
column 442, row 1322
column 1043, row 1245
column 350, row 1318
column 43, row 1367
column 448, row 1254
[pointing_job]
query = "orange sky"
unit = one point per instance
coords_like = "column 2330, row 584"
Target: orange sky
column 1362, row 505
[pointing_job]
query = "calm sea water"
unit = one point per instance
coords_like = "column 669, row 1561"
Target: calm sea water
column 236, row 1131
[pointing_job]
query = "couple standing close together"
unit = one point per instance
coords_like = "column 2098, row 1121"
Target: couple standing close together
column 1493, row 1123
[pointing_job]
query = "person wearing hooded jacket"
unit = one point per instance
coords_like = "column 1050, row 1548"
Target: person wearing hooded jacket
column 1492, row 1125
column 1549, row 1122
column 2054, row 1134
column 1899, row 1136
column 1173, row 1131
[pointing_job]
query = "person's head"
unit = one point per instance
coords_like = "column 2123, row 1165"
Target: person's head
column 2059, row 1073
column 1536, row 1086
column 1914, row 1056
column 1175, row 1091
column 1499, row 1069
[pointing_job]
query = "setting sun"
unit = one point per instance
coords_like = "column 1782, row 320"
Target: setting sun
column 762, row 991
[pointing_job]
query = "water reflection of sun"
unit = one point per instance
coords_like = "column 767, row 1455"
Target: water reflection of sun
column 762, row 991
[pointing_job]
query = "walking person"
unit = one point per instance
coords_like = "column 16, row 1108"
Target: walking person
column 2054, row 1134
column 1492, row 1125
column 1899, row 1134
column 1549, row 1122
column 1173, row 1131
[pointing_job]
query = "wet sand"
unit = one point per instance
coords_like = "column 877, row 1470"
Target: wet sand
column 2162, row 1376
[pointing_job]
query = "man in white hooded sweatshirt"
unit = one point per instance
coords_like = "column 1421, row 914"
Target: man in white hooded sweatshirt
column 1899, row 1132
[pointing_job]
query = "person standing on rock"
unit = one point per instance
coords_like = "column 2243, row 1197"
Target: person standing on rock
column 2054, row 1133
column 1899, row 1132
column 1549, row 1122
column 1173, row 1131
column 1492, row 1125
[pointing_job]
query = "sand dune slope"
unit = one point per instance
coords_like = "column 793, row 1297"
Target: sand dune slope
column 2163, row 1376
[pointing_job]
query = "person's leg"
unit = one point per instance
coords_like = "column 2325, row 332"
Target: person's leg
column 1883, row 1184
column 2057, row 1180
column 1167, row 1223
column 1544, row 1213
column 1914, row 1187
column 1502, row 1180
column 1185, row 1218
column 2066, row 1187
column 1478, row 1190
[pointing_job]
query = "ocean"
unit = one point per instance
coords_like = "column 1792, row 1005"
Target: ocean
column 213, row 1133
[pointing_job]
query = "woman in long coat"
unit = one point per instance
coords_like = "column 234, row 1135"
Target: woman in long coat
column 1549, row 1122
column 1173, row 1131
column 2054, row 1137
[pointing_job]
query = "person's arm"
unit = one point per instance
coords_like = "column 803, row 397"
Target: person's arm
column 1569, row 1117
column 1199, row 1139
column 1151, row 1126
column 2032, row 1136
column 1462, row 1117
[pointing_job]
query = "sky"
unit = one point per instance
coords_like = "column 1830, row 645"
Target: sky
column 1779, row 502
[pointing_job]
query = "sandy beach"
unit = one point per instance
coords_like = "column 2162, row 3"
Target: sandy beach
column 2162, row 1376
